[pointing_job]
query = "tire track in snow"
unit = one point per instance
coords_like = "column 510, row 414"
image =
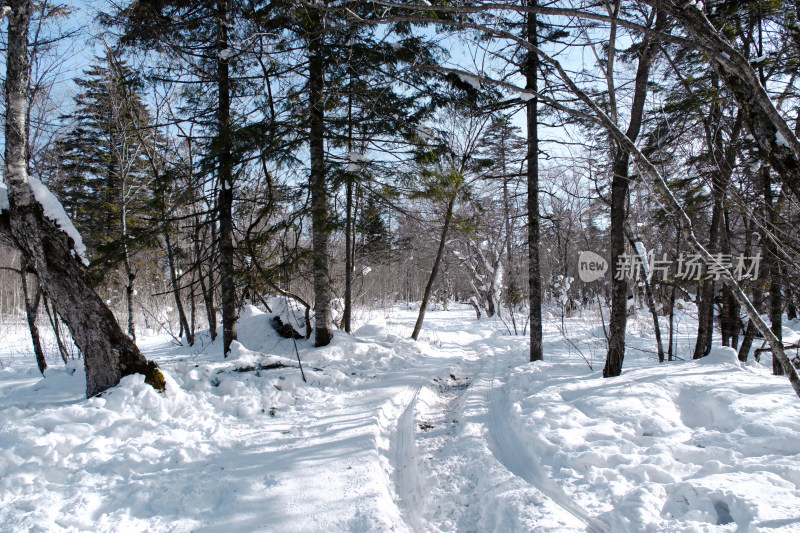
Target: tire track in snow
column 514, row 455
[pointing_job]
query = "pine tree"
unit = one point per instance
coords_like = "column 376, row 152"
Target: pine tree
column 106, row 183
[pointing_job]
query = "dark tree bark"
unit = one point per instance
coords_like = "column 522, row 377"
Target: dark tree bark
column 750, row 332
column 109, row 354
column 130, row 277
column 729, row 319
column 320, row 223
column 619, row 194
column 426, row 296
column 31, row 313
column 772, row 265
column 52, row 317
column 224, row 146
column 208, row 294
column 534, row 269
column 348, row 263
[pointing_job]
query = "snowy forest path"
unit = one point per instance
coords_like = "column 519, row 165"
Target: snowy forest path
column 516, row 456
column 457, row 460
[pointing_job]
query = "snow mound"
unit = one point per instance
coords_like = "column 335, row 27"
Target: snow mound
column 371, row 330
column 720, row 355
column 291, row 312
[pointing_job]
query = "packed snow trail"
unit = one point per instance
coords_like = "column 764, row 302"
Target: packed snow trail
column 404, row 460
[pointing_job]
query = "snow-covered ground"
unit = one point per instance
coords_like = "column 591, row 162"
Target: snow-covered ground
column 456, row 432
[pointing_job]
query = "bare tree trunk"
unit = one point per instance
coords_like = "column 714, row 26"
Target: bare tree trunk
column 319, row 194
column 225, row 202
column 426, row 296
column 176, row 289
column 705, row 308
column 109, row 354
column 129, row 279
column 531, row 68
column 772, row 265
column 52, row 316
column 651, row 303
column 729, row 321
column 618, row 319
column 750, row 332
column 31, row 313
column 349, row 226
column 670, row 353
column 208, row 293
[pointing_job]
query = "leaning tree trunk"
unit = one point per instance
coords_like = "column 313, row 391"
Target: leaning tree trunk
column 534, row 269
column 320, row 223
column 435, row 270
column 109, row 354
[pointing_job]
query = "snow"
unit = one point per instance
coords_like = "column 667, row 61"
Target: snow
column 526, row 95
column 642, row 252
column 290, row 312
column 781, row 140
column 357, row 161
column 472, row 80
column 55, row 212
column 456, row 432
column 3, row 197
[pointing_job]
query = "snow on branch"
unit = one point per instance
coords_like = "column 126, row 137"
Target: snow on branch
column 55, row 212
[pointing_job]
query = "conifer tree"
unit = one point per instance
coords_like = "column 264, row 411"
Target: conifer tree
column 106, row 183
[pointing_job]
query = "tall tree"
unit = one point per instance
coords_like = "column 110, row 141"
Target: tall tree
column 620, row 183
column 196, row 42
column 531, row 72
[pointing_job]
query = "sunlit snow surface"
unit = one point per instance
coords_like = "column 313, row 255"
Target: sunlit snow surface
column 456, row 432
